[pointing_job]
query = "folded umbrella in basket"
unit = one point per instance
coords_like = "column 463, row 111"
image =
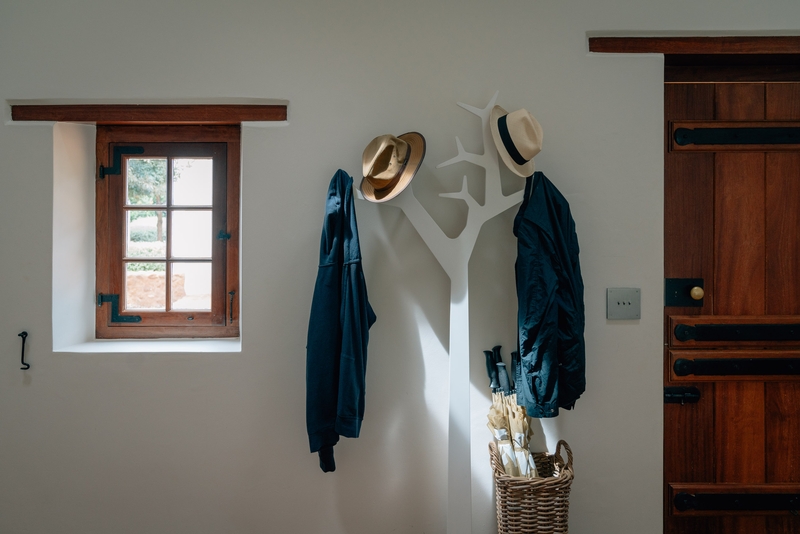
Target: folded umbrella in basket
column 519, row 424
column 498, row 425
column 511, row 428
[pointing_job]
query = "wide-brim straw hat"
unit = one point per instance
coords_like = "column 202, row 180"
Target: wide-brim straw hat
column 518, row 138
column 389, row 164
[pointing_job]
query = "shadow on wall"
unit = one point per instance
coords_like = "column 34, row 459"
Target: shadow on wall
column 402, row 449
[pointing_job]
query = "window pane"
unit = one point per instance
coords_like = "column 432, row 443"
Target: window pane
column 146, row 181
column 145, row 286
column 192, row 183
column 191, row 286
column 191, row 234
column 147, row 234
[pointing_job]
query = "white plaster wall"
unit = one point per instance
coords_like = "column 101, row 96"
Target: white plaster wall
column 215, row 442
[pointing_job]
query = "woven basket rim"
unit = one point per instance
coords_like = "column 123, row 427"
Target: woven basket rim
column 563, row 477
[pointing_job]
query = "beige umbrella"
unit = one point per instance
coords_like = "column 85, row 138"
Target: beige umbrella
column 520, row 428
column 499, row 426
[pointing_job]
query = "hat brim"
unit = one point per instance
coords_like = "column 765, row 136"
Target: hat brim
column 520, row 170
column 416, row 145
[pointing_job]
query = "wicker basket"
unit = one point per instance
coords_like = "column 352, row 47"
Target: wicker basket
column 534, row 505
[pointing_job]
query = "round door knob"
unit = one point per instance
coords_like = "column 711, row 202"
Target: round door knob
column 697, row 293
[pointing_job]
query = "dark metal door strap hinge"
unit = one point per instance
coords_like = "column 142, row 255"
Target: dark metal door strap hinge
column 681, row 395
column 737, row 366
column 116, row 167
column 115, row 316
column 737, row 501
column 223, row 235
column 737, row 136
column 738, row 332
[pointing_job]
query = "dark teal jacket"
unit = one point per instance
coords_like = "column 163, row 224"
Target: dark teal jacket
column 551, row 369
column 338, row 330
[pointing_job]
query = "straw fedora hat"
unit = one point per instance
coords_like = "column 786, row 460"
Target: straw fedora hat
column 518, row 138
column 389, row 163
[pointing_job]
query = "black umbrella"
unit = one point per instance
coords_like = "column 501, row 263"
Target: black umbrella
column 502, row 373
column 491, row 370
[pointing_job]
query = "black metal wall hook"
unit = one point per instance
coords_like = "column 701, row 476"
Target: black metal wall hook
column 24, row 336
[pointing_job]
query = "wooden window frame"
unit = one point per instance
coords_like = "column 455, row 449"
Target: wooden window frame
column 223, row 320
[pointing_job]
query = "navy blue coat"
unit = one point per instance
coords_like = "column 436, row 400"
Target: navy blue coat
column 551, row 369
column 338, row 330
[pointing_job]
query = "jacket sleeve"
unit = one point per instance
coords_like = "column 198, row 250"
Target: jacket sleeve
column 537, row 285
column 357, row 317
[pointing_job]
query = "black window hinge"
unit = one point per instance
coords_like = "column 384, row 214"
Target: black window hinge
column 116, row 167
column 115, row 316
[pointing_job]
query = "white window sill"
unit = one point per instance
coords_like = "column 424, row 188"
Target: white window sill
column 155, row 345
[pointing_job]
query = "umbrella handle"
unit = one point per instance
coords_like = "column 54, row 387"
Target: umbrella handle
column 498, row 358
column 560, row 459
column 491, row 370
column 502, row 377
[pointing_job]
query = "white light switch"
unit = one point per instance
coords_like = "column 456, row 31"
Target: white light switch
column 624, row 303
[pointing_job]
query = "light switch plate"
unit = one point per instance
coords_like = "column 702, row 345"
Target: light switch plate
column 624, row 303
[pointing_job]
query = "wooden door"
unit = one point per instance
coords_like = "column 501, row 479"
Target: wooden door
column 732, row 220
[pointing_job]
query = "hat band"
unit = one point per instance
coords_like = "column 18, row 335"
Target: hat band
column 502, row 129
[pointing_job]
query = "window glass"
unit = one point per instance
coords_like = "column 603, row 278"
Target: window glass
column 192, row 182
column 191, row 286
column 145, row 286
column 146, row 181
column 191, row 234
column 146, row 234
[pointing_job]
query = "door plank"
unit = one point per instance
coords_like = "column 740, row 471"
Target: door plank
column 739, row 424
column 693, row 525
column 739, row 237
column 743, row 525
column 783, row 432
column 688, row 439
column 783, row 233
column 782, row 524
column 689, row 246
column 689, row 196
column 740, row 101
column 739, row 209
column 689, row 101
column 689, row 223
column 783, row 101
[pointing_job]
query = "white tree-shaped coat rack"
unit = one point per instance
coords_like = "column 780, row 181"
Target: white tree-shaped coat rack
column 454, row 254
